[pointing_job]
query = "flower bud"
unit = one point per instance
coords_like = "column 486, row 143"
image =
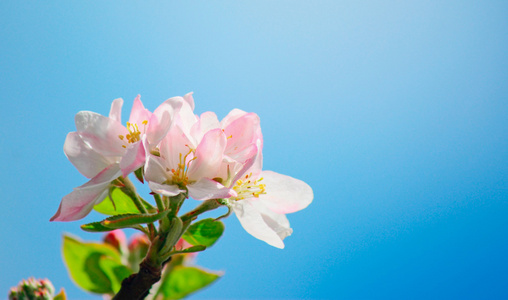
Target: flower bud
column 138, row 247
column 117, row 239
column 41, row 289
column 183, row 244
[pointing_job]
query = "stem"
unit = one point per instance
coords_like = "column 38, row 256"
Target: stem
column 160, row 205
column 204, row 207
column 176, row 202
column 137, row 286
column 130, row 190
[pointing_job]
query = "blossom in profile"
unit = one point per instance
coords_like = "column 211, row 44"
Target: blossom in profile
column 264, row 198
column 103, row 149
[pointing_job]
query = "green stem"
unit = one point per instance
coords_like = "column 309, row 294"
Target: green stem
column 130, row 191
column 158, row 200
column 204, row 207
column 176, row 202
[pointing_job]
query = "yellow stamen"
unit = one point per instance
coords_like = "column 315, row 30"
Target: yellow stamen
column 180, row 174
column 249, row 188
column 134, row 134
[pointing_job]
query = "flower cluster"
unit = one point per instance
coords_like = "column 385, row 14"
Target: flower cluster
column 37, row 289
column 179, row 152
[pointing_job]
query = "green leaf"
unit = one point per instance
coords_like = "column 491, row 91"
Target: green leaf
column 117, row 203
column 95, row 227
column 98, row 227
column 132, row 220
column 96, row 268
column 117, row 273
column 192, row 249
column 61, row 295
column 205, row 232
column 183, row 281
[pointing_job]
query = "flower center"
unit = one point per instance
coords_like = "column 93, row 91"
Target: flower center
column 134, row 134
column 248, row 188
column 180, row 174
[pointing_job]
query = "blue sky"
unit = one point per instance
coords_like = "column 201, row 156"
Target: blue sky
column 395, row 112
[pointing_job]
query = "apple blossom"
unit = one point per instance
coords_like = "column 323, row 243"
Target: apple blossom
column 181, row 167
column 103, row 149
column 264, row 197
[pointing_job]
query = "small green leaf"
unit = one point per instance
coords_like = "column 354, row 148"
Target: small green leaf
column 95, row 227
column 117, row 203
column 61, row 295
column 205, row 232
column 192, row 249
column 92, row 266
column 98, row 227
column 131, row 220
column 183, row 281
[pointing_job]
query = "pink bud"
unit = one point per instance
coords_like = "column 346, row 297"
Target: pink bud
column 117, row 239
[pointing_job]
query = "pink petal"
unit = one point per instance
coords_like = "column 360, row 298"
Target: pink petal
column 101, row 133
column 285, row 194
column 133, row 159
column 85, row 159
column 174, row 144
column 139, row 113
column 161, row 120
column 207, row 121
column 242, row 132
column 209, row 154
column 205, row 189
column 232, row 116
column 115, row 112
column 249, row 158
column 80, row 202
column 256, row 225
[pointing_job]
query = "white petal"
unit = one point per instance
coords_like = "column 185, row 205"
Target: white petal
column 165, row 189
column 115, row 112
column 205, row 189
column 101, row 133
column 254, row 223
column 155, row 170
column 189, row 99
column 85, row 159
column 278, row 222
column 285, row 194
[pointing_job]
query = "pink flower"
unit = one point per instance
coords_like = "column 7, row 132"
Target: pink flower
column 103, row 149
column 182, row 165
column 242, row 131
column 191, row 156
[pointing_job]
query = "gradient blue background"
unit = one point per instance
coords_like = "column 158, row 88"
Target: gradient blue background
column 395, row 112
